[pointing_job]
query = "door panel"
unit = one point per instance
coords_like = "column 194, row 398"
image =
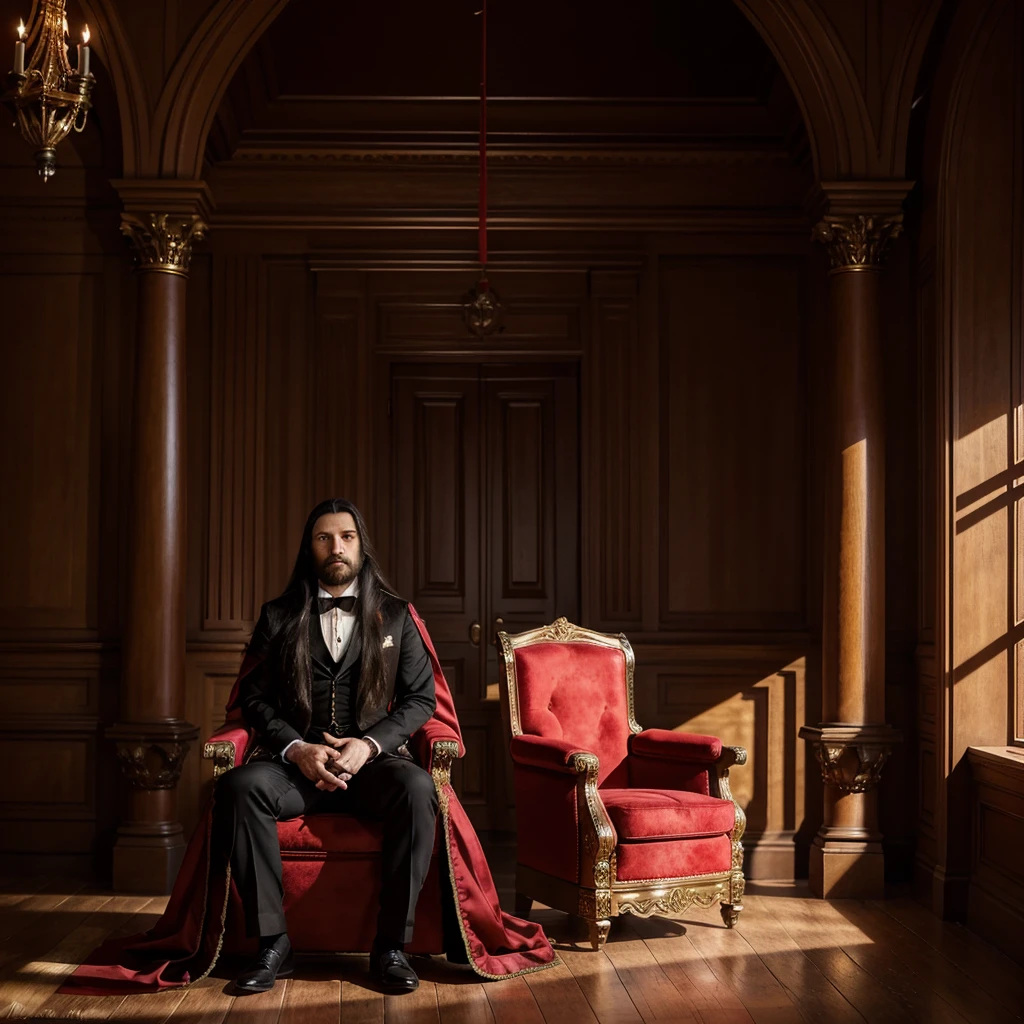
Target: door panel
column 485, row 513
column 532, row 507
column 436, row 509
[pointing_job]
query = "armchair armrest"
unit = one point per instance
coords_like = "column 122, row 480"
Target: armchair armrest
column 227, row 746
column 550, row 754
column 424, row 743
column 676, row 746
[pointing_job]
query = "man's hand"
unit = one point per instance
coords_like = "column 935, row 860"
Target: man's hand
column 312, row 758
column 352, row 752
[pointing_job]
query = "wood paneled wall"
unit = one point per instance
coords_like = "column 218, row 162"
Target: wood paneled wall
column 62, row 418
column 970, row 301
column 676, row 282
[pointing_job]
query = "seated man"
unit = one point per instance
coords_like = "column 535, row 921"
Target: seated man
column 345, row 681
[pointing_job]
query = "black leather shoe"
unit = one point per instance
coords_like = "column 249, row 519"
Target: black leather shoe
column 392, row 972
column 270, row 965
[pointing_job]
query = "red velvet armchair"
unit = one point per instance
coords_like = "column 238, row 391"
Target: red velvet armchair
column 334, row 860
column 612, row 818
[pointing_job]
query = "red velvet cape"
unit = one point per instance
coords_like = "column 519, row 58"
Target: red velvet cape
column 183, row 946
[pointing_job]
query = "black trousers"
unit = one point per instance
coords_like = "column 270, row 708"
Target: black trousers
column 252, row 798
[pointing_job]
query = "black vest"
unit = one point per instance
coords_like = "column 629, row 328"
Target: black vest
column 343, row 676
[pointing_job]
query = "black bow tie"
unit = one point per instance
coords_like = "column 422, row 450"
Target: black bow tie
column 346, row 604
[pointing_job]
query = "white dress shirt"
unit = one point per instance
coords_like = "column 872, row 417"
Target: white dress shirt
column 337, row 627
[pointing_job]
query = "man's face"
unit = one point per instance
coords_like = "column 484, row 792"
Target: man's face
column 336, row 551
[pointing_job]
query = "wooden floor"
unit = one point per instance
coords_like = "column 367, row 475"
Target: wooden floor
column 791, row 958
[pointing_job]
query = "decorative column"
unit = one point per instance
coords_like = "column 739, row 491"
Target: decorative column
column 151, row 736
column 853, row 742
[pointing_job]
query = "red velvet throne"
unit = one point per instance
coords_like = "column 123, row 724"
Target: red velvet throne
column 612, row 818
column 333, row 860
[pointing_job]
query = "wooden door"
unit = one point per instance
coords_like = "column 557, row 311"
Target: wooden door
column 484, row 500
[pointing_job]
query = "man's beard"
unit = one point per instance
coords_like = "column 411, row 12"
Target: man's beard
column 338, row 573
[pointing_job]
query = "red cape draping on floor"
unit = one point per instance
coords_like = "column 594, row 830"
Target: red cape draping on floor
column 183, row 946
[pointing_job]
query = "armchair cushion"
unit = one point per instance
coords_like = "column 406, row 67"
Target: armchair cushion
column 545, row 752
column 676, row 746
column 672, row 858
column 667, row 814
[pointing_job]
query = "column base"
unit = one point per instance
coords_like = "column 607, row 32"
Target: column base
column 145, row 862
column 845, row 869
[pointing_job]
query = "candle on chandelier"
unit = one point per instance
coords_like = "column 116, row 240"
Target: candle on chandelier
column 83, row 53
column 19, row 50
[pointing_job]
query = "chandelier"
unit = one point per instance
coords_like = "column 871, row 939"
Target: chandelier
column 45, row 94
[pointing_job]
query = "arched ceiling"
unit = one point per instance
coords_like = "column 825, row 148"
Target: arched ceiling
column 604, row 72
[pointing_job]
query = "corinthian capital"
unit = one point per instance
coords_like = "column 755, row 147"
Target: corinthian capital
column 858, row 240
column 163, row 241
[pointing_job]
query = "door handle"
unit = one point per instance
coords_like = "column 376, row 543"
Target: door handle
column 474, row 634
column 499, row 624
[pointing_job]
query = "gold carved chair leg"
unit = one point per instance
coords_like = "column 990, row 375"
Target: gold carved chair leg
column 598, row 931
column 731, row 910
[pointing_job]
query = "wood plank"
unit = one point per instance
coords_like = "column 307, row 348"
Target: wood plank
column 683, row 965
column 560, row 998
column 151, row 1007
column 418, row 1007
column 205, row 1002
column 945, row 979
column 512, row 1002
column 601, row 984
column 463, row 1004
column 312, row 1000
column 808, row 987
column 359, row 1004
column 733, row 961
column 261, row 1008
column 653, row 995
column 31, row 980
column 880, row 961
column 979, row 960
column 861, row 989
column 102, row 1007
column 27, row 915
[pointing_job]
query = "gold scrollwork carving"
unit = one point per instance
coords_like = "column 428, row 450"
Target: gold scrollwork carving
column 858, row 241
column 222, row 753
column 163, row 242
column 442, row 756
column 598, row 845
column 720, row 781
column 674, row 901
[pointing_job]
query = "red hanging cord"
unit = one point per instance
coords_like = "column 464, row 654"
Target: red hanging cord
column 482, row 231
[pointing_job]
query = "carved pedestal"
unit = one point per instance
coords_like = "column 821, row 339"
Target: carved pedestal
column 846, row 857
column 150, row 842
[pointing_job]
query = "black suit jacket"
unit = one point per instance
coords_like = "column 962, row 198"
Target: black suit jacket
column 410, row 681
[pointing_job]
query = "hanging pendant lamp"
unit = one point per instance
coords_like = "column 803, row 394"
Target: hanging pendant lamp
column 482, row 310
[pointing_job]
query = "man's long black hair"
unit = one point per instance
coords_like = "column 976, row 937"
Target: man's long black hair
column 376, row 600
